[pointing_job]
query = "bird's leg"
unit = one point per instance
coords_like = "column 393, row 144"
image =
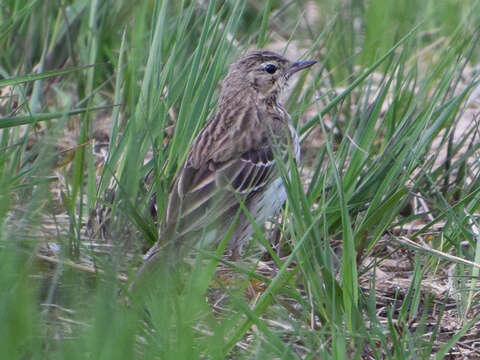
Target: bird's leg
column 235, row 254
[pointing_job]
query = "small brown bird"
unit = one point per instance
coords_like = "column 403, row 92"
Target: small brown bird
column 232, row 161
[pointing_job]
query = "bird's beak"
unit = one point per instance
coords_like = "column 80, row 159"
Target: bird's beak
column 300, row 65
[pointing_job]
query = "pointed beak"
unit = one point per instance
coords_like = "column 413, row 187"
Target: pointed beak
column 300, row 65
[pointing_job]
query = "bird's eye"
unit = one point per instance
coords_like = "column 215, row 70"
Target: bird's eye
column 270, row 68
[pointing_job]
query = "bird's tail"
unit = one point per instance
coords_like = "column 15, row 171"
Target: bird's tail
column 156, row 270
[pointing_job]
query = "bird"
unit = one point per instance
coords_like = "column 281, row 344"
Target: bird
column 232, row 164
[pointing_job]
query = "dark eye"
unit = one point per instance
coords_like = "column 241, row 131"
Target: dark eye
column 270, row 68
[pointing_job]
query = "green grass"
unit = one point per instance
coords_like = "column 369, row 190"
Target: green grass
column 391, row 88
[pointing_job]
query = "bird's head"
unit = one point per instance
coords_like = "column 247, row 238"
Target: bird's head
column 266, row 72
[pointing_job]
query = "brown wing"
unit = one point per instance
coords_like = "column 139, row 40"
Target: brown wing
column 231, row 133
column 208, row 197
column 205, row 197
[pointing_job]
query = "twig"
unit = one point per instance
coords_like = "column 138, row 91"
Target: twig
column 78, row 267
column 409, row 243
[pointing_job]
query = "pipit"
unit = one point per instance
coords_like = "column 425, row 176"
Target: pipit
column 231, row 164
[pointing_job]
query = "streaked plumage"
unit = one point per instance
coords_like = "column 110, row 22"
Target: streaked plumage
column 233, row 159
